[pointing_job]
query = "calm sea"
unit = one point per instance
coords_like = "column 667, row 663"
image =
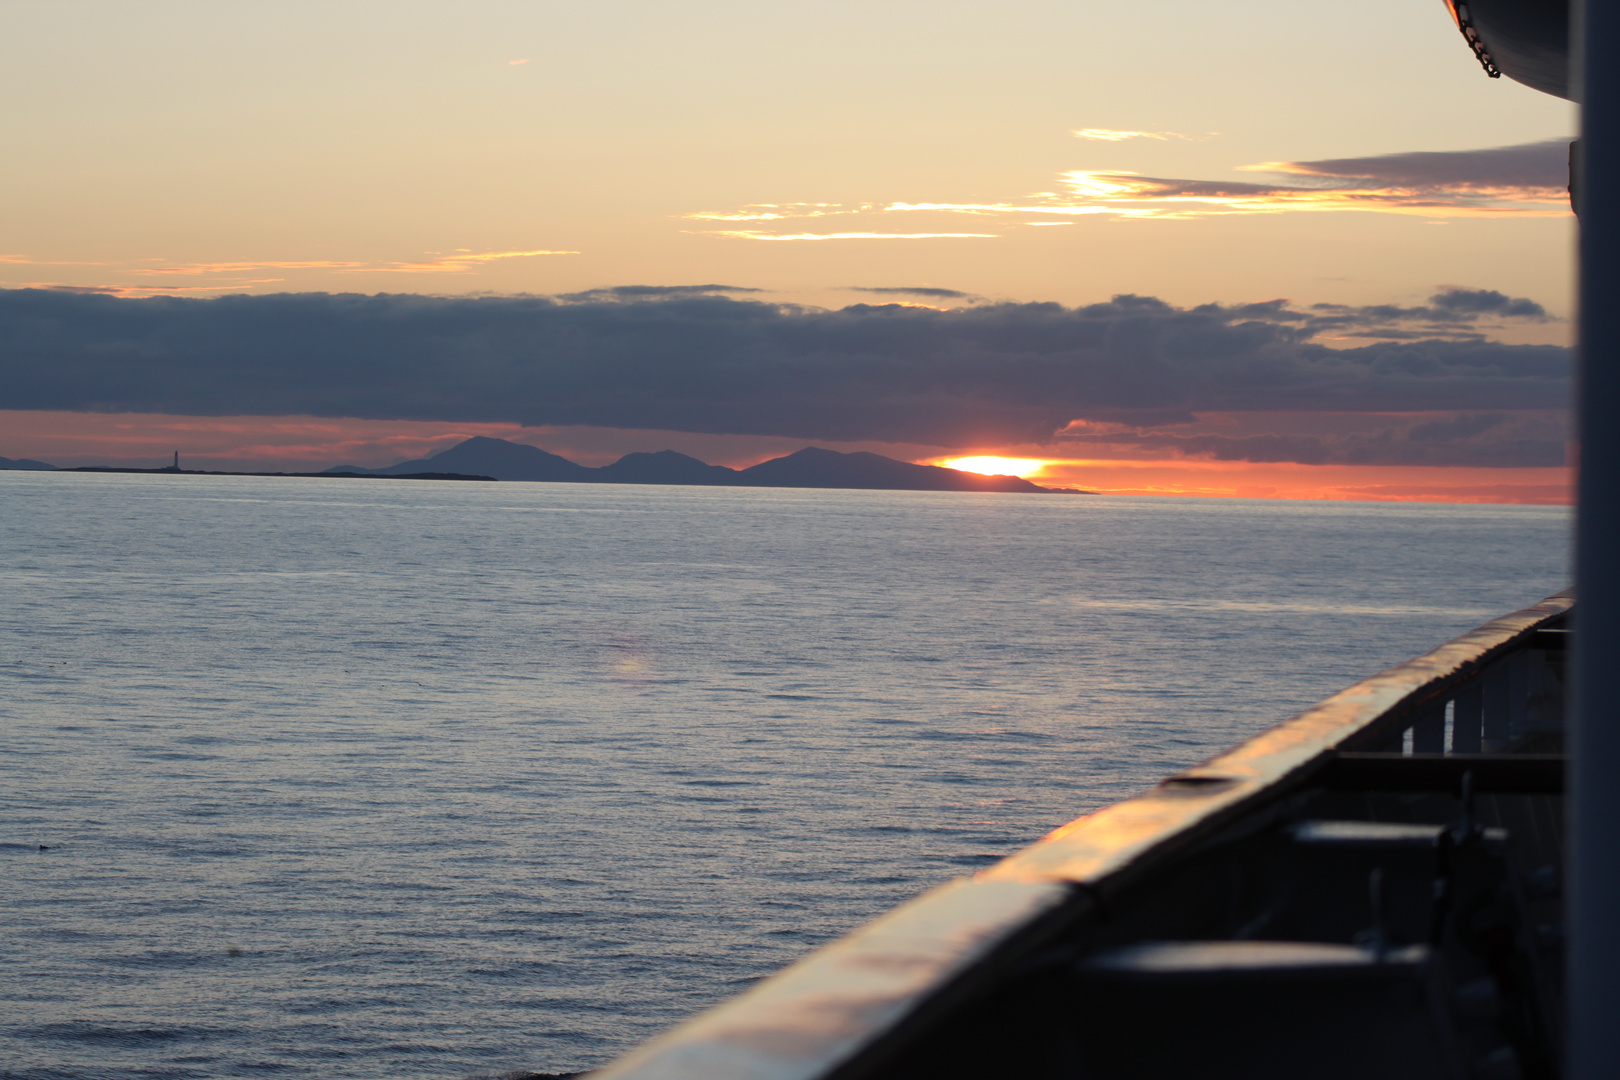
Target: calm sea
column 343, row 778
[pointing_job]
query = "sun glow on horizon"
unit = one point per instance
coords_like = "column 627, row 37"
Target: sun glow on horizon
column 997, row 466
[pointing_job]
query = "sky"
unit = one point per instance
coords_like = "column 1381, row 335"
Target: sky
column 1248, row 249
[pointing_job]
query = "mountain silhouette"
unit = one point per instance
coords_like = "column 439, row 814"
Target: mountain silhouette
column 23, row 463
column 815, row 467
column 484, row 456
column 664, row 467
column 812, row 467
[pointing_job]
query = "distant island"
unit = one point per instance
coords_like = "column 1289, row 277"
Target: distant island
column 812, row 467
column 30, row 465
column 483, row 458
column 24, row 464
column 172, row 470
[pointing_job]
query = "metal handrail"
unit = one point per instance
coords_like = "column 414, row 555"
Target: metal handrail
column 838, row 1011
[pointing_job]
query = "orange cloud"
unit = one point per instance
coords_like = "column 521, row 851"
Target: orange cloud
column 1244, row 480
column 244, row 267
column 458, row 263
column 24, row 260
column 140, row 290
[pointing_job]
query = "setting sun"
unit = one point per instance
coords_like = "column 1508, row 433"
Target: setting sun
column 997, row 466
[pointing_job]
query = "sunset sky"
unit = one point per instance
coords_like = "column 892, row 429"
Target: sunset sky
column 298, row 234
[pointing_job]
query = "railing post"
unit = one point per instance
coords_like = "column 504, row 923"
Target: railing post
column 1498, row 705
column 1520, row 688
column 1467, row 712
column 1533, row 664
column 1429, row 732
column 1594, row 896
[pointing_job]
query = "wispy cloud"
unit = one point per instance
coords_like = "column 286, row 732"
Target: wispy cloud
column 235, row 285
column 456, row 263
column 197, row 269
column 1521, row 181
column 24, row 260
column 1111, row 135
column 752, row 234
column 634, row 293
column 928, row 291
column 1529, row 180
column 235, row 275
column 55, row 286
column 774, row 212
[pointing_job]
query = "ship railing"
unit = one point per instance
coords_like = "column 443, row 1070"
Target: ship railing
column 1487, row 705
column 1512, row 703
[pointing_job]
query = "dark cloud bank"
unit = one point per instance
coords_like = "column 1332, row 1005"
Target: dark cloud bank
column 1537, row 166
column 687, row 359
